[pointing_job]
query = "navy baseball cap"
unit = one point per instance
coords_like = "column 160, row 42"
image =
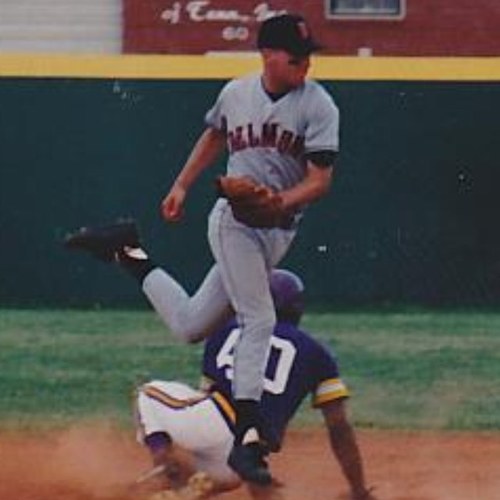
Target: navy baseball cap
column 288, row 32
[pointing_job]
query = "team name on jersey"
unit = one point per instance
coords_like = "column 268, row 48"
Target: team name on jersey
column 270, row 135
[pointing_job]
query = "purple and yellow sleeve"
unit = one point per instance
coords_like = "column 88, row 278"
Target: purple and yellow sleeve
column 329, row 390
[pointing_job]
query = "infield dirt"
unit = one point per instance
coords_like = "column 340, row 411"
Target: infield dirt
column 90, row 462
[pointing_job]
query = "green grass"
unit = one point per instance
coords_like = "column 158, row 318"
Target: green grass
column 437, row 370
column 61, row 366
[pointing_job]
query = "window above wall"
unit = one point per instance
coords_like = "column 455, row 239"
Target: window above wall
column 366, row 9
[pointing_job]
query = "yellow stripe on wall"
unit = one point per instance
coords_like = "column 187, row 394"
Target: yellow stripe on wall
column 229, row 66
column 408, row 68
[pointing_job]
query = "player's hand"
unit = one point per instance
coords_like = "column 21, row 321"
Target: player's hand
column 172, row 205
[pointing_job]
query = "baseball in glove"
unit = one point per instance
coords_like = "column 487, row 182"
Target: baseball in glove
column 253, row 204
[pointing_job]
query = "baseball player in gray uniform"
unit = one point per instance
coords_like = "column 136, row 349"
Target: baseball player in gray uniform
column 281, row 131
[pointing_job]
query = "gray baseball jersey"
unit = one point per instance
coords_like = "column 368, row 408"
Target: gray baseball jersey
column 267, row 139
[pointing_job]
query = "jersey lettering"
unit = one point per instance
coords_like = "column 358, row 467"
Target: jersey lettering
column 243, row 137
column 285, row 353
column 269, row 134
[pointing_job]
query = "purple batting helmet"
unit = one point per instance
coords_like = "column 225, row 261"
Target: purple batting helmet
column 287, row 290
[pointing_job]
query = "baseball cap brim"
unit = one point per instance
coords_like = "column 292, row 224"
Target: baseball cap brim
column 305, row 50
column 287, row 32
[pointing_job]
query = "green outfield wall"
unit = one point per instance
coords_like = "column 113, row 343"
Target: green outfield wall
column 411, row 218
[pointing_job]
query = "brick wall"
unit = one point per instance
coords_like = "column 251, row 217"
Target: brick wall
column 430, row 27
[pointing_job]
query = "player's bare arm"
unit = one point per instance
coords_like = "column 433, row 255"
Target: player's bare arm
column 344, row 446
column 206, row 150
column 315, row 185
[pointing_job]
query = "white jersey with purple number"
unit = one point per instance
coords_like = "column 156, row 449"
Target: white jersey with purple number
column 267, row 139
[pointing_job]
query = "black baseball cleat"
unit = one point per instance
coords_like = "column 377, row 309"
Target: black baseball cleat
column 247, row 460
column 104, row 242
